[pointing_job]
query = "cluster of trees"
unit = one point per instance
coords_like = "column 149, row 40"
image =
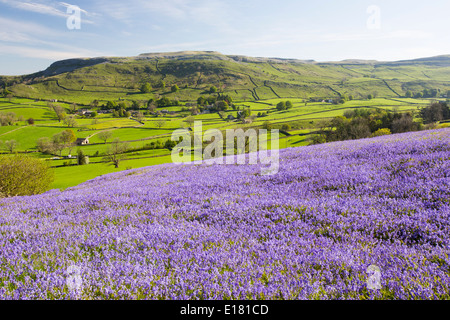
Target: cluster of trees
column 164, row 102
column 435, row 112
column 24, row 176
column 364, row 123
column 121, row 113
column 147, row 87
column 245, row 113
column 426, row 93
column 284, row 105
column 203, row 101
column 57, row 143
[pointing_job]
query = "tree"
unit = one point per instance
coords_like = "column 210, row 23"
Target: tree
column 104, row 135
column 111, row 105
column 8, row 119
column 163, row 102
column 63, row 140
column 82, row 159
column 70, row 121
column 221, row 105
column 435, row 112
column 94, row 104
column 285, row 127
column 59, row 111
column 45, row 145
column 404, row 123
column 30, row 121
column 23, row 176
column 370, row 96
column 409, row 94
column 94, row 114
column 189, row 120
column 288, row 105
column 135, row 105
column 418, row 95
column 169, row 144
column 73, row 108
column 160, row 123
column 140, row 116
column 115, row 152
column 146, row 88
column 281, row 106
column 267, row 125
column 174, row 88
column 381, row 132
column 11, row 145
column 212, row 89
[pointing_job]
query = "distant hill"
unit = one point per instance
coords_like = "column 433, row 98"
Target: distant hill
column 242, row 77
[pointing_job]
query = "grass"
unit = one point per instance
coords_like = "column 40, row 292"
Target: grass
column 66, row 177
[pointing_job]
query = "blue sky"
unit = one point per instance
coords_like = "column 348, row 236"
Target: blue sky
column 33, row 34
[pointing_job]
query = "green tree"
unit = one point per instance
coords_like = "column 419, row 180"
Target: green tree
column 189, row 120
column 409, row 94
column 212, row 89
column 104, row 135
column 59, row 111
column 146, row 88
column 24, row 176
column 11, row 145
column 267, row 125
column 281, row 106
column 435, row 112
column 160, row 123
column 82, row 159
column 111, row 105
column 115, row 152
column 174, row 88
column 70, row 121
column 73, row 108
column 288, row 105
column 63, row 140
column 381, row 132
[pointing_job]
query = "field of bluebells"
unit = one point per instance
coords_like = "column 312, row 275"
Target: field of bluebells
column 227, row 232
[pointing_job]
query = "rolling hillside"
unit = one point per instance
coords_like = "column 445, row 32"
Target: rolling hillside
column 244, row 78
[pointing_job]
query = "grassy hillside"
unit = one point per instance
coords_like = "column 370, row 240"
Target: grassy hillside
column 243, row 78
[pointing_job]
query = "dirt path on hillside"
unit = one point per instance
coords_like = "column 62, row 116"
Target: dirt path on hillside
column 14, row 130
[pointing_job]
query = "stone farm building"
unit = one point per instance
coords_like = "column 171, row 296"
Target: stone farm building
column 82, row 141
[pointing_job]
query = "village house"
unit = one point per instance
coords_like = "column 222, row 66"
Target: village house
column 84, row 112
column 82, row 141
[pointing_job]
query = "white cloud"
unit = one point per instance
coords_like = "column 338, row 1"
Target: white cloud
column 37, row 7
column 46, row 7
column 45, row 53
